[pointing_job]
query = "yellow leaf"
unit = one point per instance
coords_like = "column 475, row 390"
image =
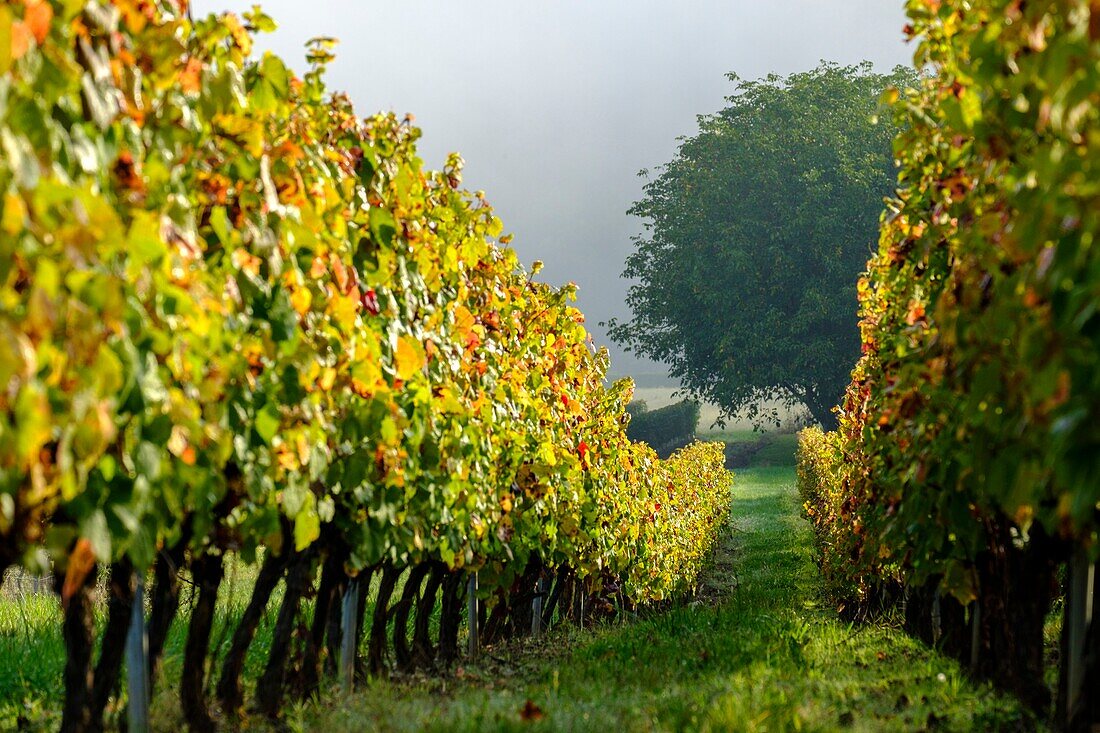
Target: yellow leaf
column 464, row 321
column 6, row 20
column 301, row 299
column 14, row 213
column 408, row 359
column 445, row 399
column 344, row 309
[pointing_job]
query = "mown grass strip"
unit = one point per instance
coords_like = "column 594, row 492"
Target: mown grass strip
column 760, row 650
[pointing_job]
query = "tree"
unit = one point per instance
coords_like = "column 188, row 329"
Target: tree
column 756, row 232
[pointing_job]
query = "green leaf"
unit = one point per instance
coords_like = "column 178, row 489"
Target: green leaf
column 219, row 222
column 268, row 421
column 275, row 73
column 307, row 525
column 94, row 529
column 144, row 241
column 382, row 226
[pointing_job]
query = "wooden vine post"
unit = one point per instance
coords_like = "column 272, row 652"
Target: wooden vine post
column 471, row 615
column 348, row 616
column 975, row 635
column 137, row 662
column 536, row 608
column 1077, row 703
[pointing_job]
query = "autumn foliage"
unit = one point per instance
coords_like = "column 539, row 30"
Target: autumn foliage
column 237, row 318
column 966, row 457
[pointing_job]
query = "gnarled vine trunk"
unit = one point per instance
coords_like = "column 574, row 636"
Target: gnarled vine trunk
column 376, row 654
column 207, row 572
column 269, row 689
column 166, row 598
column 113, row 646
column 329, row 595
column 1016, row 590
column 402, row 654
column 78, row 630
column 228, row 690
column 423, row 651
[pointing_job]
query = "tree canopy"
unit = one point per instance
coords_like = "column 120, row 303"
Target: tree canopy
column 756, row 233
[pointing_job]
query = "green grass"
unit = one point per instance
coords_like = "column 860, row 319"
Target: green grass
column 32, row 653
column 756, row 449
column 778, row 450
column 759, row 650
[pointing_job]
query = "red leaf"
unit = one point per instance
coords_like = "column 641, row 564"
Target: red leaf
column 530, row 711
column 370, row 301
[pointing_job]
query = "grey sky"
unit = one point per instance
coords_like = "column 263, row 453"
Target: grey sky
column 557, row 105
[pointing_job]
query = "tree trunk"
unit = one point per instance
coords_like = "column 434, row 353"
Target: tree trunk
column 450, row 617
column 331, row 590
column 360, row 620
column 401, row 652
column 119, row 610
column 207, row 572
column 269, row 689
column 78, row 631
column 1016, row 589
column 821, row 410
column 494, row 628
column 229, row 684
column 166, row 599
column 524, row 592
column 334, row 629
column 555, row 596
column 423, row 652
column 376, row 655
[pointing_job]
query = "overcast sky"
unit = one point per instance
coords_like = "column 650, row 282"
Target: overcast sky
column 557, row 105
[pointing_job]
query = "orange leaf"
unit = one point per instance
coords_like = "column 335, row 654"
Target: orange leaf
column 340, row 273
column 81, row 562
column 191, row 76
column 20, row 40
column 915, row 314
column 38, row 16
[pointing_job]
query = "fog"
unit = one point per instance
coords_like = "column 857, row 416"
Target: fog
column 556, row 106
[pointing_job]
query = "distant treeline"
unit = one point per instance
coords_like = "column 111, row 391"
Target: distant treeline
column 667, row 429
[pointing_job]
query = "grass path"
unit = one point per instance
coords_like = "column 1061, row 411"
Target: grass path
column 759, row 651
